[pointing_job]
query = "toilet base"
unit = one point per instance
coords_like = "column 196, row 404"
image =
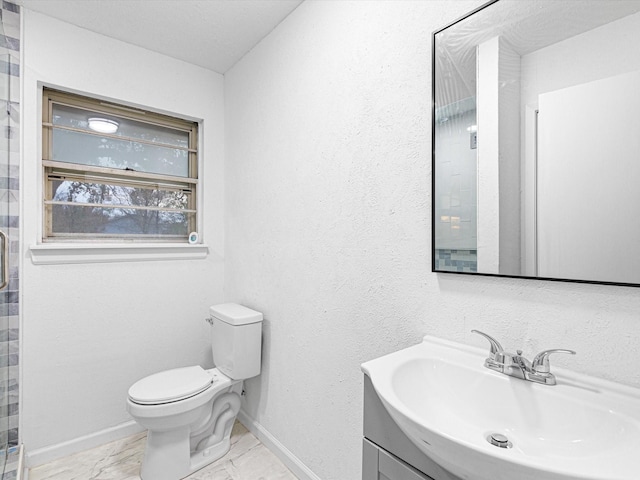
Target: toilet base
column 167, row 456
column 187, row 435
column 170, row 454
column 209, row 455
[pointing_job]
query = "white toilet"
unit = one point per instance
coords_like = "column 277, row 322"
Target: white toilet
column 189, row 411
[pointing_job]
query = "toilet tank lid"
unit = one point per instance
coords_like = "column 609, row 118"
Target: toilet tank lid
column 235, row 314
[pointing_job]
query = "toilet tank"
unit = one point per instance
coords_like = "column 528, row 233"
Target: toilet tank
column 236, row 340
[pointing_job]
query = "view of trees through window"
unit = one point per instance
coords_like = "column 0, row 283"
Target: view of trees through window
column 102, row 208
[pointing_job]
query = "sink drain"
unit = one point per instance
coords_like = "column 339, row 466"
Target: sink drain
column 499, row 440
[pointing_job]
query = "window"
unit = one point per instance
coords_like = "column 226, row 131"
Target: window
column 114, row 173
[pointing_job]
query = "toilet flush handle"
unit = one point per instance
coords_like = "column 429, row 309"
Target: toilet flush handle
column 209, row 320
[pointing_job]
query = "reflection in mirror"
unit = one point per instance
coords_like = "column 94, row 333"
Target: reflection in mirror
column 536, row 131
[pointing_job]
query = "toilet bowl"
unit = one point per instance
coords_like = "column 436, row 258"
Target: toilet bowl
column 189, row 412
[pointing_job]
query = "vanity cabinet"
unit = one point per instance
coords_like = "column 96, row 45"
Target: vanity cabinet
column 378, row 464
column 387, row 453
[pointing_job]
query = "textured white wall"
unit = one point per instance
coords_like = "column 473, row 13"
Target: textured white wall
column 328, row 228
column 89, row 331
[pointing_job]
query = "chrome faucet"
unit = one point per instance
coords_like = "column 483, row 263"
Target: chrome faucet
column 515, row 365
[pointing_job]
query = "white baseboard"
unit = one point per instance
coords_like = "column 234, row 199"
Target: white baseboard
column 48, row 454
column 60, row 450
column 292, row 462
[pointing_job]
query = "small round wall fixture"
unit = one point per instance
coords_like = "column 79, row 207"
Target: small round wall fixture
column 103, row 125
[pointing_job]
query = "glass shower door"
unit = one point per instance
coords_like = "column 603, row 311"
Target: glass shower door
column 10, row 450
column 9, row 241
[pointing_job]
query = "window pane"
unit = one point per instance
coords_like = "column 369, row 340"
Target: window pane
column 107, row 194
column 86, row 149
column 68, row 219
column 85, row 218
column 79, row 118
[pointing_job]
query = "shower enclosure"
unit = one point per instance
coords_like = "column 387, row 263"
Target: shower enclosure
column 10, row 450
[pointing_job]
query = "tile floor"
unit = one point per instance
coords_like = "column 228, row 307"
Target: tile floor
column 248, row 459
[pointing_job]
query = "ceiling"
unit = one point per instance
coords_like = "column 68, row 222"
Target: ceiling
column 213, row 34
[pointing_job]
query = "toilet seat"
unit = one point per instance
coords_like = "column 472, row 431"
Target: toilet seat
column 170, row 386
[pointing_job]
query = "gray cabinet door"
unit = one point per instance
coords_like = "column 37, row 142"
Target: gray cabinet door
column 393, row 469
column 370, row 457
column 377, row 464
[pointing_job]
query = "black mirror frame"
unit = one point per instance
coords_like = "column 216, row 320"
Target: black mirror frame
column 433, row 177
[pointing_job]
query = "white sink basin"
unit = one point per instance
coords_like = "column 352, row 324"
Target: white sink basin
column 445, row 400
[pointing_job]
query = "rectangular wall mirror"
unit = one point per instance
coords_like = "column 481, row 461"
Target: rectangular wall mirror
column 536, row 141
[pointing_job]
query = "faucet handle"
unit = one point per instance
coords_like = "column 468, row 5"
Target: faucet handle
column 540, row 363
column 496, row 348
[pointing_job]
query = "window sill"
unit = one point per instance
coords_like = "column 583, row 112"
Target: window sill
column 67, row 253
